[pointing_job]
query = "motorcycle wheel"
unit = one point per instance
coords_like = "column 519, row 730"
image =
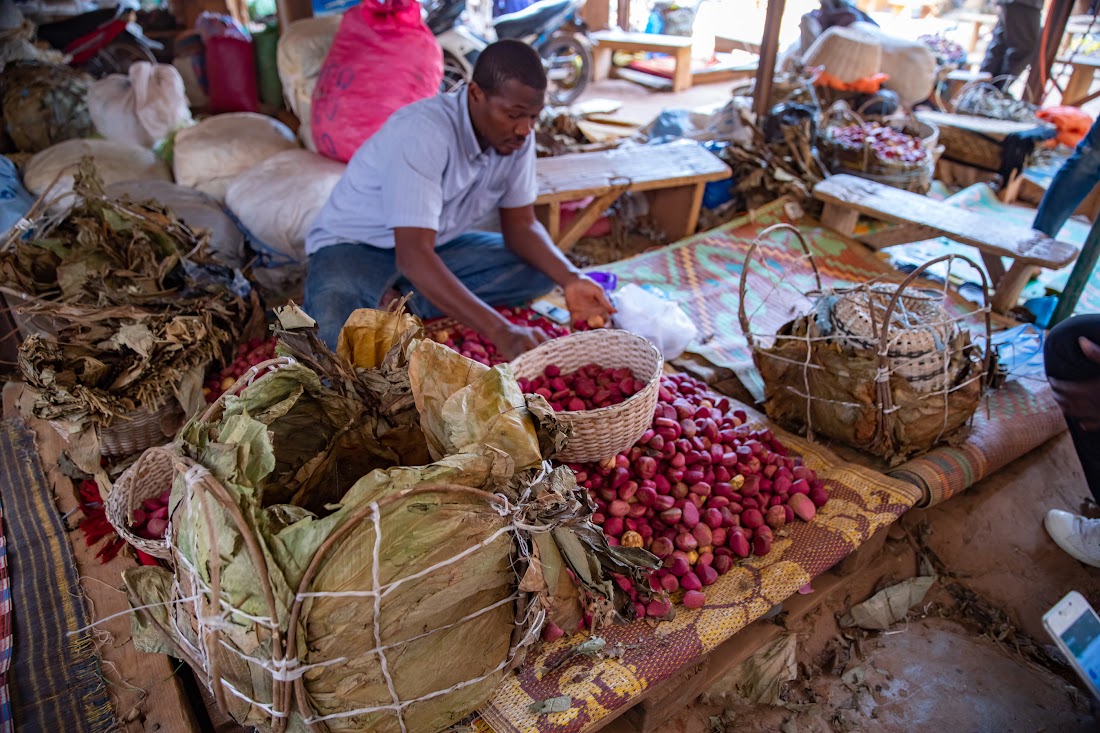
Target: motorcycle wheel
column 568, row 63
column 454, row 73
column 118, row 57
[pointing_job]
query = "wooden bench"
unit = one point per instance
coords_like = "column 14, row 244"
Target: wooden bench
column 679, row 47
column 673, row 174
column 1078, row 88
column 918, row 218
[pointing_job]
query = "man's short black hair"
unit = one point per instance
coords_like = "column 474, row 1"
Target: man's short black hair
column 506, row 60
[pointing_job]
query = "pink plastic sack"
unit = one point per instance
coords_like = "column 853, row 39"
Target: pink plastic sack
column 383, row 57
column 231, row 74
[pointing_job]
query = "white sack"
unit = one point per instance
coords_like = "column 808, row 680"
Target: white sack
column 211, row 154
column 114, row 162
column 301, row 54
column 142, row 107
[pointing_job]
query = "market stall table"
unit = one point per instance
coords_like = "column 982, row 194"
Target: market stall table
column 679, row 47
column 674, row 174
column 1078, row 88
column 918, row 217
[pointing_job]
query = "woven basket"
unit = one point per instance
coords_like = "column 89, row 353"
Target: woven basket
column 920, row 329
column 139, row 430
column 149, row 476
column 599, row 434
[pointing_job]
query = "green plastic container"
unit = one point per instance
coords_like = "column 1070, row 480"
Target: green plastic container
column 265, row 45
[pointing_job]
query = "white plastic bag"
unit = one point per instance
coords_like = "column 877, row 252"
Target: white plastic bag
column 142, row 108
column 114, row 162
column 657, row 319
column 301, row 54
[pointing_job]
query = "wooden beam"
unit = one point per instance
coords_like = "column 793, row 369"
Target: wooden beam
column 769, row 49
column 586, row 218
column 597, row 14
column 1054, row 29
column 624, row 14
column 900, row 234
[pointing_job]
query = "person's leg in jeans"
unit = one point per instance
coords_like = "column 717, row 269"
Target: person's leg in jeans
column 1067, row 362
column 343, row 278
column 1072, row 183
column 490, row 270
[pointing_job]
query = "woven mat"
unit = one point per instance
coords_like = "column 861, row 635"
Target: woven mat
column 1012, row 422
column 862, row 501
column 7, row 725
column 703, row 275
column 55, row 679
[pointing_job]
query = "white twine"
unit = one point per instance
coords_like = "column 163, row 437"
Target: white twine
column 283, row 670
column 127, row 612
column 269, row 709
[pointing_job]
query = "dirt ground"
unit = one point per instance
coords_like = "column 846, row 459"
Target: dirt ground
column 973, row 656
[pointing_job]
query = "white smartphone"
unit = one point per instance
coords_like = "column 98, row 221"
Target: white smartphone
column 1076, row 629
column 551, row 311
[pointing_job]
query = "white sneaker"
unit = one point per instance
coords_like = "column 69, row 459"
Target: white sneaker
column 1078, row 536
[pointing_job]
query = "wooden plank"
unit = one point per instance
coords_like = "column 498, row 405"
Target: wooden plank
column 579, row 175
column 147, row 693
column 1079, row 84
column 725, row 44
column 681, row 75
column 840, row 219
column 988, row 234
column 639, row 42
column 675, row 211
column 586, row 219
column 769, row 49
column 1011, row 284
column 996, row 129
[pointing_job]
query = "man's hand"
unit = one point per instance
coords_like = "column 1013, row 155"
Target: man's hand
column 1080, row 401
column 515, row 340
column 585, row 299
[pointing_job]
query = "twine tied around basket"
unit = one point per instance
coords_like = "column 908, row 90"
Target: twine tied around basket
column 884, row 338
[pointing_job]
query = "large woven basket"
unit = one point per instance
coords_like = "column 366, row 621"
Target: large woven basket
column 149, row 476
column 599, row 434
column 139, row 430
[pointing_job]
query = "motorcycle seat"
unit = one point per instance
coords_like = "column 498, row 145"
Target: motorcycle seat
column 61, row 33
column 529, row 20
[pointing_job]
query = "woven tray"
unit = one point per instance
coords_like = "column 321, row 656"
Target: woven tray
column 149, row 476
column 599, row 434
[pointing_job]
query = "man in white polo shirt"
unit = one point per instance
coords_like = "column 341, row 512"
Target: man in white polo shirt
column 402, row 215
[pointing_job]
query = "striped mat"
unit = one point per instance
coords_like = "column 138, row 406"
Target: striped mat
column 55, row 680
column 6, row 723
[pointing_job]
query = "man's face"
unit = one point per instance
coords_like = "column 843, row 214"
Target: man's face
column 504, row 119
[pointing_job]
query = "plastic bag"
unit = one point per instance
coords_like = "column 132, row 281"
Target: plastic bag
column 655, row 318
column 302, row 51
column 141, row 108
column 15, row 201
column 383, row 58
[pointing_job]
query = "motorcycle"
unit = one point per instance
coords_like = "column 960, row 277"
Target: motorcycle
column 552, row 27
column 101, row 42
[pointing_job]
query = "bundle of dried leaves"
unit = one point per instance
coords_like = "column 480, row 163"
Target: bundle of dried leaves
column 376, row 540
column 135, row 307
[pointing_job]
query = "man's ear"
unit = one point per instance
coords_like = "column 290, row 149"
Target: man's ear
column 477, row 94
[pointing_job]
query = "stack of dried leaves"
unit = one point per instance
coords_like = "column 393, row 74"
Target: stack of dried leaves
column 134, row 307
column 371, row 538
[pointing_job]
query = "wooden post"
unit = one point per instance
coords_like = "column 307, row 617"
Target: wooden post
column 624, row 14
column 597, row 14
column 292, row 10
column 769, row 49
column 1079, row 277
column 1053, row 30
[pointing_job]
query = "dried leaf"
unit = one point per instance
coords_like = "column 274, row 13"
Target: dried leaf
column 888, row 606
column 552, row 705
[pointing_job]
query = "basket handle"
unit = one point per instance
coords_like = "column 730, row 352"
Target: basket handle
column 743, row 316
column 886, row 396
column 841, row 110
column 256, row 371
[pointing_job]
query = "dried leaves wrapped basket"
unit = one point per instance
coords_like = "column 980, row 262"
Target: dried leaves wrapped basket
column 151, row 475
column 598, row 434
column 883, row 367
column 331, row 575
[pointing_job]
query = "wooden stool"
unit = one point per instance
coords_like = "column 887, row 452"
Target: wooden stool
column 679, row 47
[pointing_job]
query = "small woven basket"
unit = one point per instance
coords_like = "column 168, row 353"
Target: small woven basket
column 139, row 430
column 919, row 330
column 599, row 434
column 149, row 476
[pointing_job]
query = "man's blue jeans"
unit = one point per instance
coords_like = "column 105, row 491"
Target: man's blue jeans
column 1072, row 183
column 345, row 277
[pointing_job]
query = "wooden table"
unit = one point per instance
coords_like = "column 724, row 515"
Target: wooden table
column 679, row 47
column 1078, row 88
column 977, row 21
column 918, row 218
column 674, row 175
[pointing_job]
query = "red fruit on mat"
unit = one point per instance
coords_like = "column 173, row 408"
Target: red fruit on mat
column 803, row 507
column 551, row 632
column 752, row 519
column 694, row 599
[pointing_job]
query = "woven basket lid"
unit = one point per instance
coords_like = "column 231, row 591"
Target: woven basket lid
column 847, row 54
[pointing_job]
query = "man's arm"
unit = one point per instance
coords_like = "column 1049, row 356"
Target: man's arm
column 418, row 261
column 525, row 235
